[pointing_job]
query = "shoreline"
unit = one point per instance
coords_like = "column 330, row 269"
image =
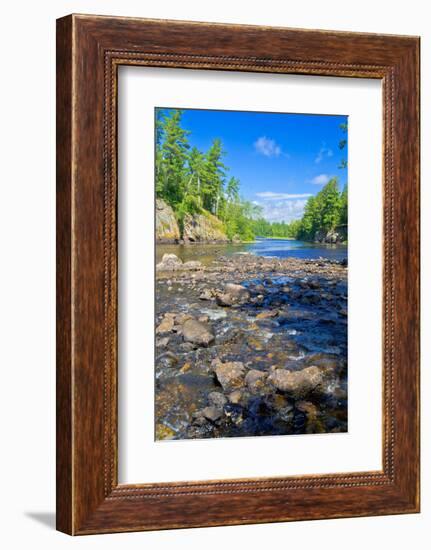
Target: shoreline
column 172, row 242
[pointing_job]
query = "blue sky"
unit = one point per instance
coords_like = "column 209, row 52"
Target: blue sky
column 280, row 159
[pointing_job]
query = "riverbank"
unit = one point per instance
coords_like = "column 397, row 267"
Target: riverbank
column 249, row 345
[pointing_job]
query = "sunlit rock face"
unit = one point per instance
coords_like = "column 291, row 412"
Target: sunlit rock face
column 167, row 229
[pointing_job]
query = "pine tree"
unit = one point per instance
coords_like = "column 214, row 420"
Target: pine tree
column 344, row 206
column 215, row 175
column 329, row 199
column 171, row 155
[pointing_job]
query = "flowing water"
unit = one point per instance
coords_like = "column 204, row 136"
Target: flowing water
column 306, row 303
column 269, row 248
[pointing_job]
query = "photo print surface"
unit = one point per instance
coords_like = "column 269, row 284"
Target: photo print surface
column 251, row 231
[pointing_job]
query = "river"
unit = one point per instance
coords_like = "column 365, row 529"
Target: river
column 269, row 248
column 290, row 316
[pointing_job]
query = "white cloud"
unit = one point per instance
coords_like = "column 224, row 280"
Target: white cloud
column 287, row 210
column 271, row 196
column 323, row 152
column 267, row 147
column 321, row 179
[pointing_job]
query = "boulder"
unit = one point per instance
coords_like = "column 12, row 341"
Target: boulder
column 166, row 325
column 299, row 384
column 230, row 375
column 197, row 333
column 255, row 380
column 235, row 396
column 206, row 294
column 233, row 295
column 170, row 262
column 167, row 229
column 217, row 399
column 332, row 236
column 212, row 413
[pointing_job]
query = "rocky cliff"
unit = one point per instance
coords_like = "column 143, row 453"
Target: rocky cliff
column 167, row 230
column 333, row 236
column 197, row 228
column 203, row 228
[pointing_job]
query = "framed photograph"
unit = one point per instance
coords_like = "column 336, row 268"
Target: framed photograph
column 237, row 274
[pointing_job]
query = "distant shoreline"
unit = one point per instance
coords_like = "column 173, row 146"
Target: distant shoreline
column 238, row 243
column 279, row 239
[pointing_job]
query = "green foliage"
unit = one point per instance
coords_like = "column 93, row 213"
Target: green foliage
column 192, row 182
column 342, row 144
column 324, row 211
column 171, row 155
column 344, row 207
column 280, row 230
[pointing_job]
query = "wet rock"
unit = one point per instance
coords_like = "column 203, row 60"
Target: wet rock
column 166, row 325
column 186, row 347
column 178, row 329
column 232, row 295
column 298, row 384
column 279, row 401
column 197, row 333
column 206, row 294
column 164, row 432
column 170, row 262
column 225, row 300
column 162, row 342
column 185, row 368
column 216, row 362
column 260, row 289
column 255, row 343
column 267, row 314
column 255, row 380
column 199, row 421
column 235, row 397
column 192, row 265
column 181, row 318
column 212, row 413
column 203, row 319
column 230, row 375
column 168, row 359
column 234, row 412
column 217, row 399
column 286, row 413
column 308, row 408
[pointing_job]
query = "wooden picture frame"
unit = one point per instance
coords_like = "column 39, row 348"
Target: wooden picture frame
column 89, row 51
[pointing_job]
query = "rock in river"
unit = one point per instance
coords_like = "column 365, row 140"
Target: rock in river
column 166, row 325
column 217, row 399
column 170, row 262
column 212, row 413
column 192, row 265
column 197, row 333
column 233, row 294
column 298, row 384
column 255, row 380
column 230, row 375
